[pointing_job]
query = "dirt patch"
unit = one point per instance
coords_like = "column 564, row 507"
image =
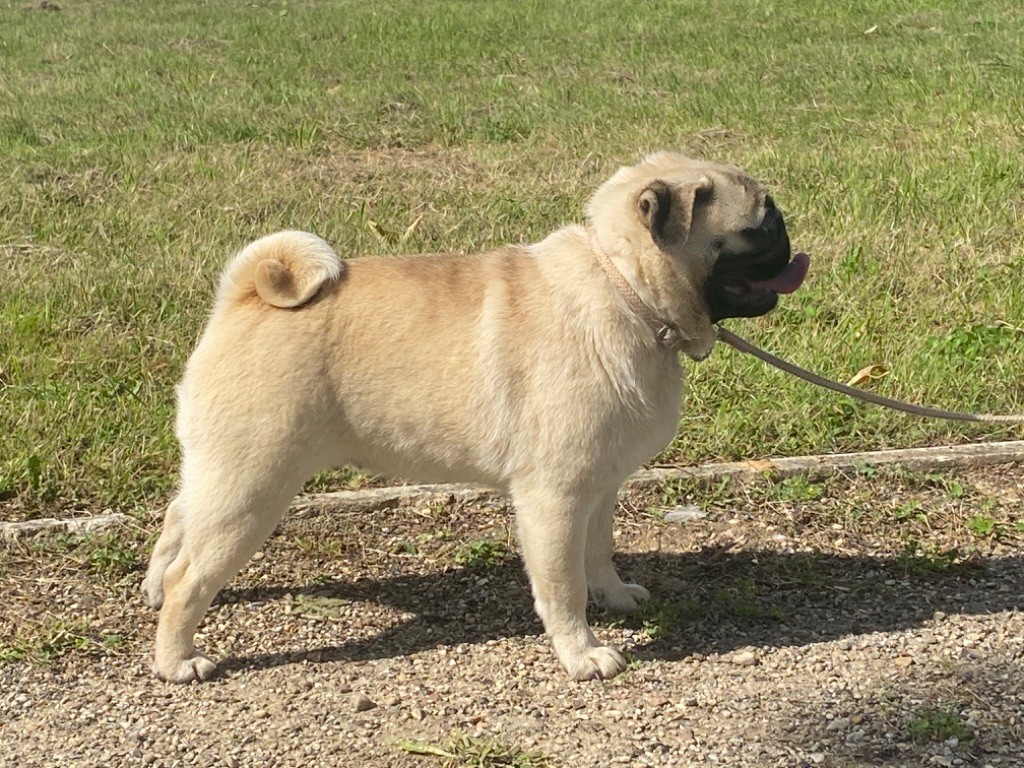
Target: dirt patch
column 865, row 619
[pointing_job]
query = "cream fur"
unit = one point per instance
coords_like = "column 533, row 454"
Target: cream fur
column 285, row 269
column 521, row 368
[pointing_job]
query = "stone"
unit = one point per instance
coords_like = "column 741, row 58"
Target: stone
column 361, row 702
column 744, row 659
column 685, row 514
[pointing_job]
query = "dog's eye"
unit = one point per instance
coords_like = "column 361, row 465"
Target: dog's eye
column 718, row 243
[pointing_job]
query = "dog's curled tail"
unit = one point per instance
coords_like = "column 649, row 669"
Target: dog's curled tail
column 285, row 270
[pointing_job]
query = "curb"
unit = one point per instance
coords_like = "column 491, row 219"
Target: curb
column 368, row 500
column 918, row 459
column 10, row 532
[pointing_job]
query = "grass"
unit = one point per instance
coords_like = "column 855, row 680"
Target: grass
column 480, row 553
column 54, row 638
column 49, row 643
column 109, row 557
column 461, row 751
column 139, row 147
column 739, row 604
column 796, row 489
column 937, row 724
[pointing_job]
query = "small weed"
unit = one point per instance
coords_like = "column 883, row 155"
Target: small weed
column 345, row 478
column 982, row 526
column 796, row 489
column 925, row 559
column 321, row 546
column 113, row 641
column 633, row 662
column 717, row 494
column 610, row 620
column 108, row 557
column 404, row 547
column 659, row 620
column 675, row 491
column 975, row 342
column 656, row 513
column 908, row 510
column 463, row 751
column 432, row 536
column 318, row 605
column 480, row 553
column 805, row 571
column 938, row 724
column 50, row 643
column 11, row 653
column 864, row 469
column 62, row 540
column 739, row 605
column 35, row 471
column 953, row 487
column 62, row 638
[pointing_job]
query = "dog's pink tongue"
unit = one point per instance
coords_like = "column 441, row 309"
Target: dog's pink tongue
column 789, row 279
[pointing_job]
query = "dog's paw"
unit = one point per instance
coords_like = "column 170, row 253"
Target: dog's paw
column 598, row 663
column 154, row 593
column 195, row 668
column 619, row 598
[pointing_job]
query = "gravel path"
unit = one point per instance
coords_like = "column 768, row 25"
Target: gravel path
column 866, row 619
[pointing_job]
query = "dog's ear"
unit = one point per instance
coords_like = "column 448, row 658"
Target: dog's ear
column 667, row 210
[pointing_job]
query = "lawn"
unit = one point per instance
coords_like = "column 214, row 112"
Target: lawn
column 142, row 143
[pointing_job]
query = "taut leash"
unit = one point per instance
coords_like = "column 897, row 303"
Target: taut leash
column 743, row 345
column 668, row 336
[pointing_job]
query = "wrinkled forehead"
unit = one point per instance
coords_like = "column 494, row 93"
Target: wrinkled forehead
column 738, row 199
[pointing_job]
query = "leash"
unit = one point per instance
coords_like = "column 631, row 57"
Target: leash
column 743, row 345
column 668, row 336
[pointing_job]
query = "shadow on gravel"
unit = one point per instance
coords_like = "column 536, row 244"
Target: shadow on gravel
column 712, row 601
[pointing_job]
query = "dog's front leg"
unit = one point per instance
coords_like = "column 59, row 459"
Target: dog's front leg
column 553, row 533
column 606, row 588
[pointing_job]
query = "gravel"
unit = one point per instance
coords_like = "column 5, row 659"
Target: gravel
column 867, row 619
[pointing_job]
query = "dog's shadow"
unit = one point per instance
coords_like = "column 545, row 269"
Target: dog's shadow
column 712, row 601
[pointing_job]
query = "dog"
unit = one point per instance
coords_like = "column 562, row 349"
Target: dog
column 548, row 371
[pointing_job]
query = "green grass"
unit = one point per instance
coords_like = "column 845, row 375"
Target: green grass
column 49, row 643
column 461, row 751
column 740, row 605
column 937, row 724
column 480, row 553
column 108, row 557
column 141, row 144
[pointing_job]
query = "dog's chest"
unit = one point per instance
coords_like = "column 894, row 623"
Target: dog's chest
column 649, row 418
column 663, row 422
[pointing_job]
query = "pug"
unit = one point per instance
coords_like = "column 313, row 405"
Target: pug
column 548, row 371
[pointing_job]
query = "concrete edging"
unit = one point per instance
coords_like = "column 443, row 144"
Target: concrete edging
column 48, row 526
column 920, row 459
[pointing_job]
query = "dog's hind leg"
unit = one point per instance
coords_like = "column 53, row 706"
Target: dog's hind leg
column 553, row 534
column 164, row 552
column 603, row 582
column 224, row 524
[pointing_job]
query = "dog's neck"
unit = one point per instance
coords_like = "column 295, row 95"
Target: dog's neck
column 667, row 334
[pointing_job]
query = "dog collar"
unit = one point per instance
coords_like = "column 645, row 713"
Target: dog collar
column 666, row 335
